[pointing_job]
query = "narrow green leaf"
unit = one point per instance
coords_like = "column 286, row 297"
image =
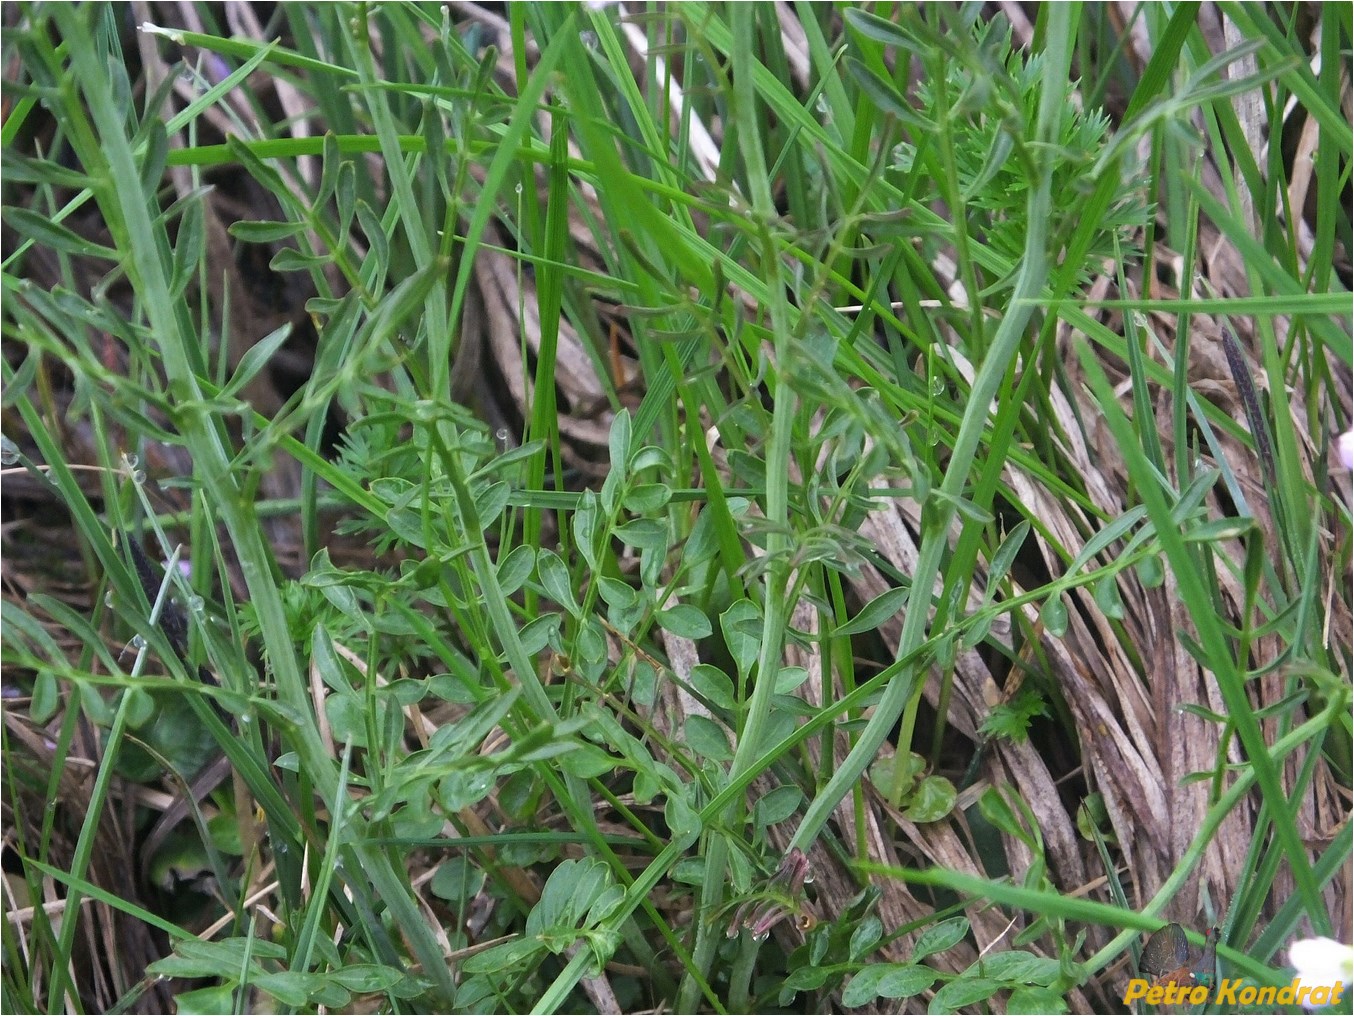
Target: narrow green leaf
column 866, row 936
column 514, row 569
column 618, row 443
column 263, row 230
column 743, row 644
column 378, row 257
column 256, row 357
column 876, row 612
column 1054, row 615
column 554, row 575
column 1006, row 554
column 288, row 259
column 874, row 27
column 585, row 524
column 1101, row 540
column 49, row 233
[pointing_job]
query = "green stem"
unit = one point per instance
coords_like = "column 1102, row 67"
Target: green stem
column 939, row 513
column 784, row 404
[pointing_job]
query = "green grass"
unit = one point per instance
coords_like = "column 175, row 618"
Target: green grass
column 677, row 453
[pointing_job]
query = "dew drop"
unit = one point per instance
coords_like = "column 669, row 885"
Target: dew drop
column 9, row 452
column 195, row 604
column 937, row 386
column 109, row 600
column 762, row 937
column 138, row 643
column 139, row 477
column 518, row 188
column 808, row 877
column 132, row 459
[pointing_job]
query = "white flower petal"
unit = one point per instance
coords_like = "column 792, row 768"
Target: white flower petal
column 1322, row 960
column 1344, row 447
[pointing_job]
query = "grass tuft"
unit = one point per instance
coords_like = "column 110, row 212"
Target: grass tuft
column 733, row 508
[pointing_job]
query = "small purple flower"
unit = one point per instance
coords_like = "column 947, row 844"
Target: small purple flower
column 781, row 898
